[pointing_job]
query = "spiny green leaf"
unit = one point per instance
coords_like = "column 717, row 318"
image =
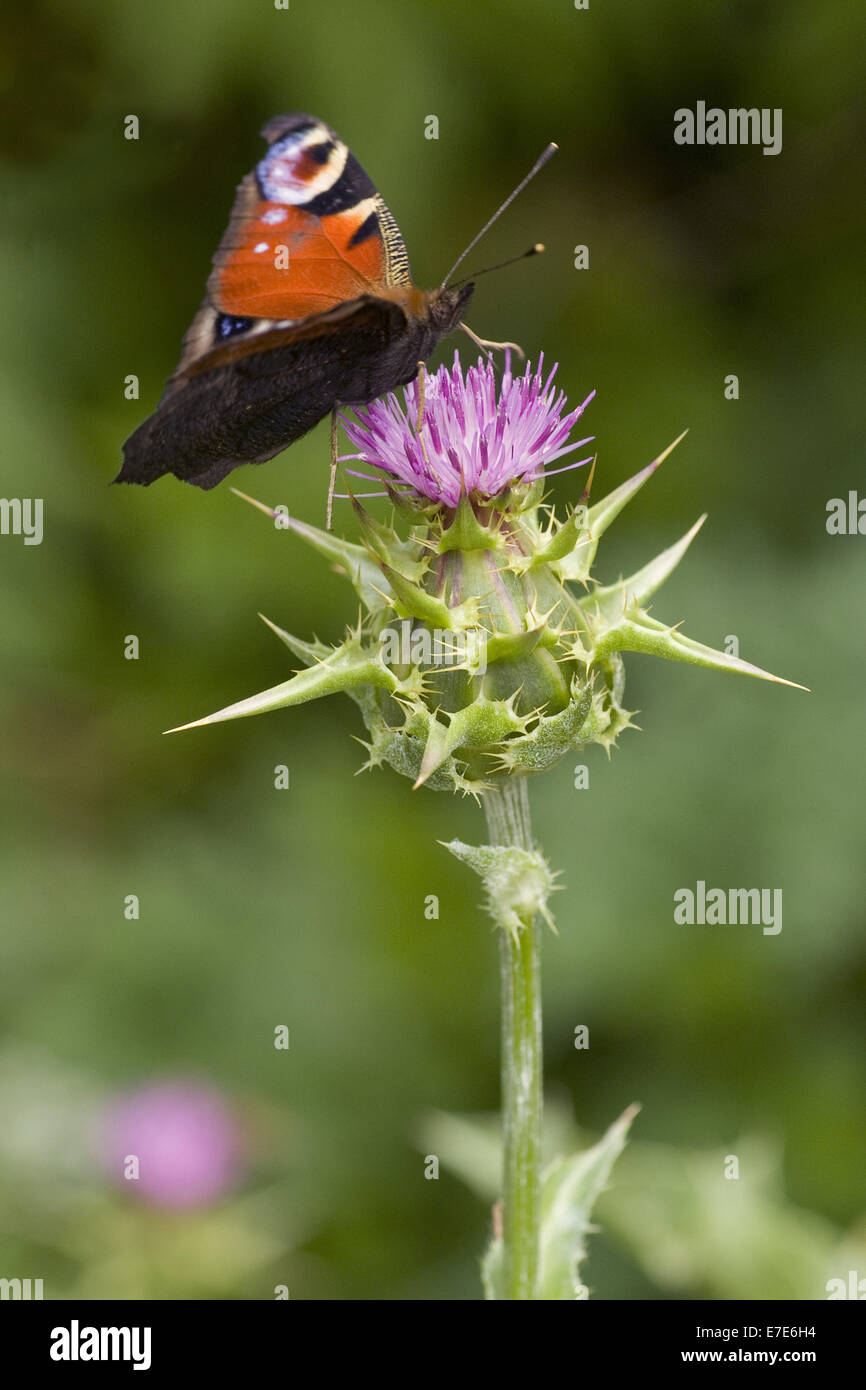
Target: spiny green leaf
column 362, row 571
column 308, row 652
column 466, row 532
column 484, row 721
column 573, row 532
column 613, row 599
column 570, row 1187
column 417, row 603
column 347, row 667
column 578, row 564
column 637, row 632
column 551, row 738
column 387, row 547
column 518, row 881
column 511, row 646
column 493, row 1270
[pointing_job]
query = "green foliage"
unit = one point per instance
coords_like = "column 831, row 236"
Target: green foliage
column 550, row 655
column 517, row 882
column 696, row 1225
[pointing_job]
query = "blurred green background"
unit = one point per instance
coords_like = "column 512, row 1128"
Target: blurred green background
column 306, row 907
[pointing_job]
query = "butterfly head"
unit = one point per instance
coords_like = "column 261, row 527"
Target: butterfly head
column 446, row 306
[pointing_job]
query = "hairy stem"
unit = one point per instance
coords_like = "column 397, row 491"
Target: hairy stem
column 507, row 808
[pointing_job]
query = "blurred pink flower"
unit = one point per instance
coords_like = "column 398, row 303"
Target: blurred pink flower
column 185, row 1139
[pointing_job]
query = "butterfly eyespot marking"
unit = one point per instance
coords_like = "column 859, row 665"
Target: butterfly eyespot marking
column 320, row 154
column 301, row 166
column 227, row 325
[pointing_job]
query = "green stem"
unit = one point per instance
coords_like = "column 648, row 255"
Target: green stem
column 507, row 808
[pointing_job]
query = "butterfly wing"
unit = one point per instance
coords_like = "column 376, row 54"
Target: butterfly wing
column 308, row 233
column 308, row 230
column 248, row 406
column 310, row 289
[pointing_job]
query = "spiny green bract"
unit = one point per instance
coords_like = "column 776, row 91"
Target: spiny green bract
column 486, row 648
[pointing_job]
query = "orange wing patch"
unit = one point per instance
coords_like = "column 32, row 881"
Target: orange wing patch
column 278, row 261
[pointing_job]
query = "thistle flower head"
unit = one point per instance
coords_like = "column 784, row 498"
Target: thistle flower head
column 477, row 437
column 488, row 648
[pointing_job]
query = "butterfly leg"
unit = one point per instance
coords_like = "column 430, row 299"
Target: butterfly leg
column 422, row 387
column 332, row 480
column 486, row 345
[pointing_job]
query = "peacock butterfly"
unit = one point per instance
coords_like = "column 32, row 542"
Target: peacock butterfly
column 310, row 305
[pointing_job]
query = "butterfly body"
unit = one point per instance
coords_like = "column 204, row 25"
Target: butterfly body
column 310, row 305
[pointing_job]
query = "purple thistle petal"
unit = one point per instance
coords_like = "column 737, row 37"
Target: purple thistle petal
column 579, row 463
column 474, row 437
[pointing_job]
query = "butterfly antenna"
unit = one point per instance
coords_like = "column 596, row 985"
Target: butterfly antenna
column 535, row 250
column 539, row 164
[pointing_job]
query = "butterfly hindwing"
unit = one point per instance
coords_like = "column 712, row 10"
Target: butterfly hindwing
column 249, row 406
